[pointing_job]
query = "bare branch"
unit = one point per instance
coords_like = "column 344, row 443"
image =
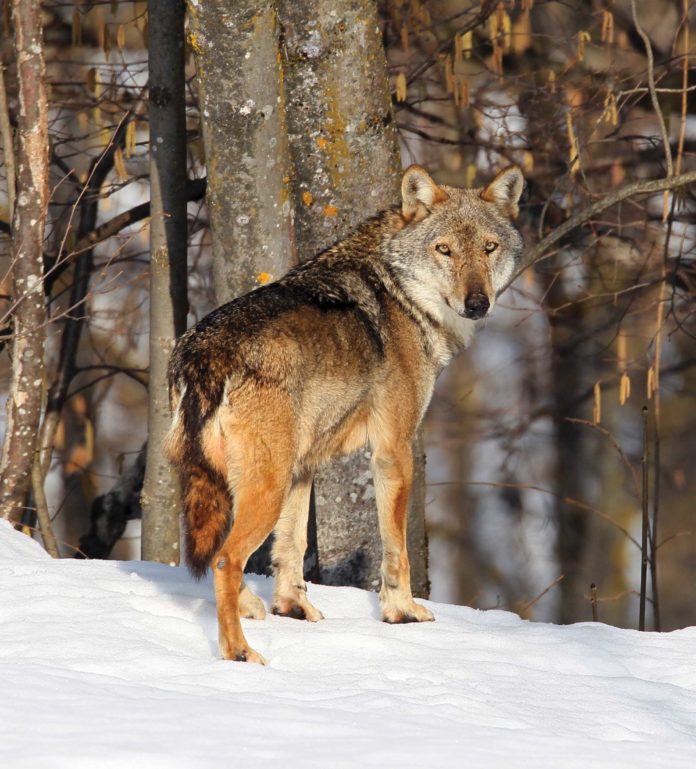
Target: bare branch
column 567, row 500
column 651, row 87
column 539, row 252
column 37, row 483
column 536, row 599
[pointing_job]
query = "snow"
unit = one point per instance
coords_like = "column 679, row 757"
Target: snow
column 114, row 664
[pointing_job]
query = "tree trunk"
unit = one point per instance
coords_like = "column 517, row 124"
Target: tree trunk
column 344, row 150
column 247, row 159
column 168, row 240
column 567, row 381
column 242, row 104
column 24, row 402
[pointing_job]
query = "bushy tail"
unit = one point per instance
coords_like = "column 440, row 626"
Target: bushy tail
column 207, row 506
column 206, row 497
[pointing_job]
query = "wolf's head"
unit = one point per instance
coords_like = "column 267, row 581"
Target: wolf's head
column 459, row 245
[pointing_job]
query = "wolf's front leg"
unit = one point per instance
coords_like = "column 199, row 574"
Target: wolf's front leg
column 290, row 591
column 393, row 475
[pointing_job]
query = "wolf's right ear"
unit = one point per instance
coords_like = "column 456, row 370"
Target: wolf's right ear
column 506, row 190
column 419, row 193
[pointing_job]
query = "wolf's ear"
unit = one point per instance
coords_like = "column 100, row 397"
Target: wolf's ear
column 506, row 189
column 419, row 193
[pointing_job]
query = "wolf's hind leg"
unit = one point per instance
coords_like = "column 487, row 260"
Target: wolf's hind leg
column 393, row 473
column 250, row 605
column 257, row 508
column 290, row 591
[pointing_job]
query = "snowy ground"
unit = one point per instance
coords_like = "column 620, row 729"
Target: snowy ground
column 114, row 664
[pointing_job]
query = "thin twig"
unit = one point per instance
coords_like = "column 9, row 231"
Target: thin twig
column 593, row 601
column 44, row 517
column 27, row 529
column 617, row 596
column 614, row 443
column 7, row 144
column 529, row 605
column 562, row 498
column 651, row 88
column 676, row 535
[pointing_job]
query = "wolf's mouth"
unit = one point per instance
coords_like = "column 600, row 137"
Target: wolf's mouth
column 461, row 311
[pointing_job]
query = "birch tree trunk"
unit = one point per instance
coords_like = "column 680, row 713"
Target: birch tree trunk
column 29, row 316
column 346, row 167
column 168, row 240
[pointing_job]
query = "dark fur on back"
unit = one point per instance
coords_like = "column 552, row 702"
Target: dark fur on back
column 225, row 342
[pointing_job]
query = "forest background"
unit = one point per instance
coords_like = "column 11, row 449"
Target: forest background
column 559, row 477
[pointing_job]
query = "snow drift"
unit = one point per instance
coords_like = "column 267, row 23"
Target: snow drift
column 114, row 664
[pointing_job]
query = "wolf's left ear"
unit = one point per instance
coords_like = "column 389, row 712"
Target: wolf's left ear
column 506, row 189
column 419, row 193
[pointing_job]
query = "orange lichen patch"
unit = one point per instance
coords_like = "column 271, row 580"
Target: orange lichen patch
column 264, row 277
column 307, row 198
column 321, row 142
column 330, row 210
column 194, row 43
column 333, row 130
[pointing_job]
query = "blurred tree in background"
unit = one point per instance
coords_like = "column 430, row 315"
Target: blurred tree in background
column 536, row 436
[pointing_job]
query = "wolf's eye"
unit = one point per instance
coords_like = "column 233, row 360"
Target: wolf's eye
column 490, row 246
column 443, row 248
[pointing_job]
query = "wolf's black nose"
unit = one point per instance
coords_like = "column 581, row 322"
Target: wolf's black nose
column 476, row 306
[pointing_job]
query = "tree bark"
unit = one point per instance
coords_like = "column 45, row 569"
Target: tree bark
column 570, row 367
column 24, row 402
column 246, row 147
column 346, row 167
column 242, row 104
column 168, row 248
column 569, row 481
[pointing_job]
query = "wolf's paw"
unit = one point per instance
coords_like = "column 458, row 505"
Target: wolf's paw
column 234, row 646
column 414, row 612
column 250, row 605
column 248, row 655
column 289, row 607
column 242, row 653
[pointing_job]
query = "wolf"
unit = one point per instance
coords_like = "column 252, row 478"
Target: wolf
column 340, row 353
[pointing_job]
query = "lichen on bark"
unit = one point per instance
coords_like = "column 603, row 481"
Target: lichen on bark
column 29, row 313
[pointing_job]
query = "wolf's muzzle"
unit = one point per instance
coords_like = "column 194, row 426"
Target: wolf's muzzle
column 476, row 306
